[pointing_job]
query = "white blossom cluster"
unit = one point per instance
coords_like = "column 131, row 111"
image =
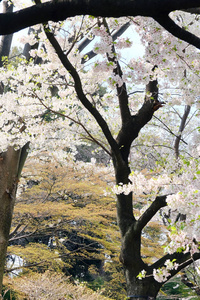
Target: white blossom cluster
column 140, row 183
column 182, row 185
column 161, row 274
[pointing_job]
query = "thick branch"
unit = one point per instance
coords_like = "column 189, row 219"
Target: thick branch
column 174, row 29
column 195, row 11
column 61, row 9
column 129, row 131
column 157, row 204
column 132, row 127
column 183, row 259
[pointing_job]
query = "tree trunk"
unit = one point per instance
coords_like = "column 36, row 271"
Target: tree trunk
column 140, row 289
column 9, row 164
column 130, row 255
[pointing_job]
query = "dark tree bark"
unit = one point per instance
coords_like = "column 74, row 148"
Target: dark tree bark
column 61, row 9
column 9, row 162
column 6, row 40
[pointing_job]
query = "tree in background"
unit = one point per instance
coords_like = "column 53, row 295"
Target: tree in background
column 118, row 117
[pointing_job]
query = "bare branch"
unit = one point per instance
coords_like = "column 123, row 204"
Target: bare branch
column 22, row 236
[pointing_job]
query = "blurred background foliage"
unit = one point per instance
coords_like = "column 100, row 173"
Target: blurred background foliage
column 64, row 230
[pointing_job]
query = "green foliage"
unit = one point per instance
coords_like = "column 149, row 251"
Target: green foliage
column 69, row 205
column 174, row 288
column 62, row 204
column 9, row 294
column 37, row 257
column 14, row 59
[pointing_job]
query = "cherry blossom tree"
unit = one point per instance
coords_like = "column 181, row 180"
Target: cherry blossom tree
column 65, row 88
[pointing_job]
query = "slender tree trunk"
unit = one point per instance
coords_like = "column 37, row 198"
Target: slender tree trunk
column 181, row 129
column 6, row 40
column 130, row 257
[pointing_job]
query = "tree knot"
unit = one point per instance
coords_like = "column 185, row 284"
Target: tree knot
column 157, row 105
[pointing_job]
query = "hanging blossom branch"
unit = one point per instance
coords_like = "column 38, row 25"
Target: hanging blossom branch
column 73, row 120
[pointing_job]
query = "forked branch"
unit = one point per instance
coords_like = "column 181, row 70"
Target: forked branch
column 156, row 205
column 79, row 90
